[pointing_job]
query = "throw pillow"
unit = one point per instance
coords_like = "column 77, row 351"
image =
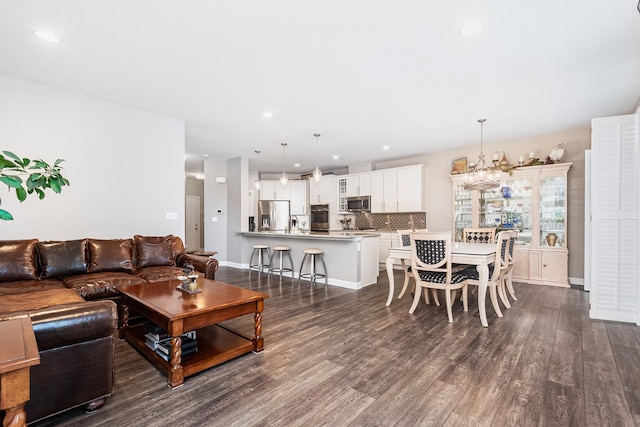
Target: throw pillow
column 110, row 255
column 59, row 259
column 18, row 260
column 153, row 250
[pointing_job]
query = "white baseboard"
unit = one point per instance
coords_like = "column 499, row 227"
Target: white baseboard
column 334, row 282
column 578, row 281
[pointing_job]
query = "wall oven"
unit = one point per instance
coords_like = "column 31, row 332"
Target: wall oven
column 319, row 217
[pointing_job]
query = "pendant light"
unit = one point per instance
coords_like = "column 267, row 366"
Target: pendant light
column 317, row 173
column 283, row 178
column 481, row 176
column 257, row 181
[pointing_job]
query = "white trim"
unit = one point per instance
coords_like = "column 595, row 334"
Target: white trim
column 578, row 281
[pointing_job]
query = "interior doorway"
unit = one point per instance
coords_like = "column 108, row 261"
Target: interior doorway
column 192, row 223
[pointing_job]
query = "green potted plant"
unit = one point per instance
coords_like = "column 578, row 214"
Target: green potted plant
column 28, row 177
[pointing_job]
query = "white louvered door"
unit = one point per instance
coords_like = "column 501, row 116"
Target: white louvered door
column 614, row 232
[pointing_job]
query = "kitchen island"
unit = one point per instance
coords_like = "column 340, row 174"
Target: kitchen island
column 351, row 256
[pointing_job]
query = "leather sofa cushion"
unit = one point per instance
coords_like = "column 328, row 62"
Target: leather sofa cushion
column 100, row 285
column 159, row 273
column 18, row 260
column 37, row 300
column 62, row 258
column 153, row 250
column 110, row 255
column 24, row 286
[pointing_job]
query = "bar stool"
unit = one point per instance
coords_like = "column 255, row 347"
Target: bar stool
column 312, row 275
column 280, row 249
column 260, row 250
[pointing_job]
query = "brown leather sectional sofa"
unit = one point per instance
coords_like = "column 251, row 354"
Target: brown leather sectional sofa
column 69, row 289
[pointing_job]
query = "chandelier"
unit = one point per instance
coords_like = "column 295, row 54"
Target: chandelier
column 317, row 173
column 480, row 175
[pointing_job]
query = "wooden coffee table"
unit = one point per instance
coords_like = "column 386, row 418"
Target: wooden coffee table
column 179, row 312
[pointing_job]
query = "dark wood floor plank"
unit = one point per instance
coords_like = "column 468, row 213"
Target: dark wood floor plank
column 340, row 357
column 605, row 400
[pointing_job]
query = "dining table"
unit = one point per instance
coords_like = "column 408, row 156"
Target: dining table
column 478, row 254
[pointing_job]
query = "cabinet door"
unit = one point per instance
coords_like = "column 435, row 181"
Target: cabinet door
column 283, row 192
column 299, row 200
column 390, row 191
column 377, row 192
column 268, row 189
column 353, row 185
column 410, row 189
column 554, row 267
column 365, row 184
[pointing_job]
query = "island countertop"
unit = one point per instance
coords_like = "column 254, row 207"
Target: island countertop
column 351, row 256
column 324, row 235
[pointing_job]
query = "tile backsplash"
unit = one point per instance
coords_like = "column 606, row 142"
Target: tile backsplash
column 391, row 221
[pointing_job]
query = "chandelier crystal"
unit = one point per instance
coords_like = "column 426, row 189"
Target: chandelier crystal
column 317, row 173
column 480, row 175
column 257, row 181
column 283, row 178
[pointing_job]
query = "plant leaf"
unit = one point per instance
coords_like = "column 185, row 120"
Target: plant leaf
column 5, row 216
column 21, row 193
column 11, row 155
column 12, row 181
column 6, row 163
column 55, row 185
column 57, row 162
column 40, row 193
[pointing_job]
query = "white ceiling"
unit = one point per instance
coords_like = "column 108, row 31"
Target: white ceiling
column 363, row 73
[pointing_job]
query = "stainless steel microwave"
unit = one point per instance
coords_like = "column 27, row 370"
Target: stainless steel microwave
column 359, row 204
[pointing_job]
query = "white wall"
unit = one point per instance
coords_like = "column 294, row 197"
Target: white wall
column 215, row 198
column 126, row 166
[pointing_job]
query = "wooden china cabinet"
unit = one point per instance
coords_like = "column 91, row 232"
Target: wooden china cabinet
column 533, row 201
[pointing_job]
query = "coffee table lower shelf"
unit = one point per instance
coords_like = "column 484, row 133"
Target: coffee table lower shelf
column 216, row 344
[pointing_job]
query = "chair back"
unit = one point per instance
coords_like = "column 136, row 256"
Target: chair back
column 501, row 263
column 479, row 235
column 431, row 252
column 512, row 242
column 404, row 235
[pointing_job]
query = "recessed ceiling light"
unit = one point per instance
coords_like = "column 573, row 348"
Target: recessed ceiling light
column 336, row 157
column 266, row 115
column 471, row 28
column 385, row 147
column 296, row 165
column 47, row 36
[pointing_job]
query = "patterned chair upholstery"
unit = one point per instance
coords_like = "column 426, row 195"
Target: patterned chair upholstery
column 497, row 271
column 507, row 284
column 431, row 260
column 479, row 235
column 405, row 240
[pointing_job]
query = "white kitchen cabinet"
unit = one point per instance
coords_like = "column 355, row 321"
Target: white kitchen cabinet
column 272, row 189
column 350, row 186
column 398, row 190
column 384, row 191
column 324, row 192
column 358, row 184
column 533, row 201
column 299, row 199
column 386, row 242
column 411, row 189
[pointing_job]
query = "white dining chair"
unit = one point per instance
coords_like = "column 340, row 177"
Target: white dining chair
column 431, row 267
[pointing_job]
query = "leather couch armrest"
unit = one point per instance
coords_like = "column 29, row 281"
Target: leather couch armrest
column 206, row 265
column 69, row 324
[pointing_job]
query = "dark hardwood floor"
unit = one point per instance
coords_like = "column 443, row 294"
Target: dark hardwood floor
column 339, row 357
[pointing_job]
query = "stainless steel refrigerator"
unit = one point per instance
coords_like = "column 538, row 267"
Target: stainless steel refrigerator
column 274, row 215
